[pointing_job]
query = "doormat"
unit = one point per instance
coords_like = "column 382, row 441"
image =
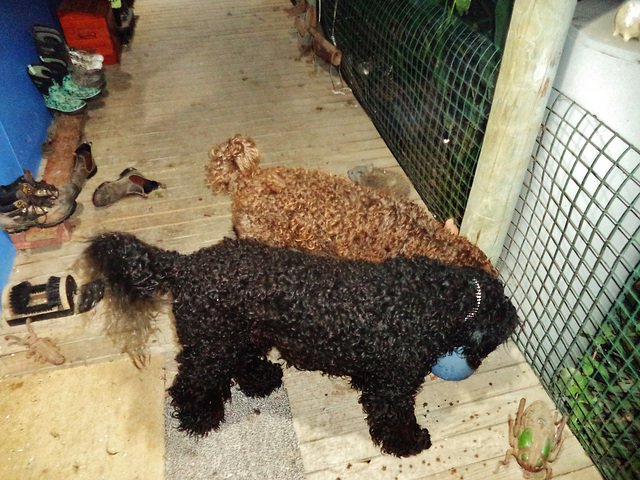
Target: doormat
column 256, row 441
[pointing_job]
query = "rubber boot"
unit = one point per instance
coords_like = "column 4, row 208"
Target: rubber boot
column 54, row 96
column 60, row 75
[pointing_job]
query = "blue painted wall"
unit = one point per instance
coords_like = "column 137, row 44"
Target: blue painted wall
column 23, row 117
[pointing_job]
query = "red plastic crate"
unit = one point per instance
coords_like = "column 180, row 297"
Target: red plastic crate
column 90, row 25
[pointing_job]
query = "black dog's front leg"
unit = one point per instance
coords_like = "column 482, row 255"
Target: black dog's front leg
column 392, row 421
column 199, row 392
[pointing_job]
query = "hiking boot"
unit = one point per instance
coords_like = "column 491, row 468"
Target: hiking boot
column 24, row 216
column 27, row 190
column 31, row 189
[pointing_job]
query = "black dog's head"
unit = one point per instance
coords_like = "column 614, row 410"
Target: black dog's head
column 494, row 322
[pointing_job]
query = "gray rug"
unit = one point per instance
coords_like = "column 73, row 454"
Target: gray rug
column 256, row 441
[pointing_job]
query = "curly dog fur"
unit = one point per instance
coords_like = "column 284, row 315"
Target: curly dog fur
column 321, row 212
column 383, row 325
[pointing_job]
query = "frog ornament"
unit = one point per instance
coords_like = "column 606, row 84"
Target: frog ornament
column 535, row 441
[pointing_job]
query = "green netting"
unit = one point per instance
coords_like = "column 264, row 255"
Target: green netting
column 571, row 261
column 572, row 265
column 426, row 79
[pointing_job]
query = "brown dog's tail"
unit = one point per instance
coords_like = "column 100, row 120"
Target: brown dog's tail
column 234, row 159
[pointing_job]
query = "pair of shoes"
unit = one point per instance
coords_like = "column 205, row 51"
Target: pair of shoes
column 58, row 90
column 84, row 167
column 54, row 96
column 61, row 75
column 44, row 36
column 38, row 204
column 131, row 182
column 25, row 190
column 85, row 68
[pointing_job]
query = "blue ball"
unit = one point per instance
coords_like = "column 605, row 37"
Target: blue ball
column 453, row 366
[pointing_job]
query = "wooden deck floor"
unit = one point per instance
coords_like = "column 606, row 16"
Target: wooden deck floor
column 198, row 72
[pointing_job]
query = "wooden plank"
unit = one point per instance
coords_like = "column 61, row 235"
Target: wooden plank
column 464, row 466
column 477, row 443
column 334, row 437
column 103, row 420
column 81, row 340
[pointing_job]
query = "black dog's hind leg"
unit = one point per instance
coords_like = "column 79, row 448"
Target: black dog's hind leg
column 390, row 409
column 200, row 390
column 256, row 376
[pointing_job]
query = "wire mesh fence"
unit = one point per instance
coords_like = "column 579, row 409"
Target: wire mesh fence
column 426, row 79
column 571, row 263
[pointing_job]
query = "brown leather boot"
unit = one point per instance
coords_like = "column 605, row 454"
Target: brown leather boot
column 84, row 166
column 131, row 182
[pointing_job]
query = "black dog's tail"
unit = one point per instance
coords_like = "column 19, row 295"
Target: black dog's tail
column 134, row 274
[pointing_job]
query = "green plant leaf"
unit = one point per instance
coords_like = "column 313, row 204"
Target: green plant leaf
column 582, row 382
column 578, row 416
column 462, row 6
column 603, row 370
column 566, row 374
column 600, row 340
column 502, row 19
column 587, row 366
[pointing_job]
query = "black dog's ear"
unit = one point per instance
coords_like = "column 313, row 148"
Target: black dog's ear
column 477, row 337
column 476, row 349
column 485, row 336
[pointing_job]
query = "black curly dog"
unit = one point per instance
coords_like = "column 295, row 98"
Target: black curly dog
column 383, row 325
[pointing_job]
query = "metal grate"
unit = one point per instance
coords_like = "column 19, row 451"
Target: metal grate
column 426, row 79
column 572, row 266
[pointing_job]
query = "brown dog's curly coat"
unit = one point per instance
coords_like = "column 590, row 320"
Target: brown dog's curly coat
column 317, row 211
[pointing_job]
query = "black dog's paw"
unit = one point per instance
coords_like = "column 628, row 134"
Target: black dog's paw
column 266, row 378
column 198, row 424
column 261, row 389
column 411, row 443
column 199, row 416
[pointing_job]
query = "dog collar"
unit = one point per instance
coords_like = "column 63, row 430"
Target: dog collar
column 473, row 312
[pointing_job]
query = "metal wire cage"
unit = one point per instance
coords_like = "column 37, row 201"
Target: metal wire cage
column 571, row 263
column 426, row 79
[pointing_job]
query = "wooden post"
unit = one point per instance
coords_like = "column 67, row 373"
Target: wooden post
column 534, row 44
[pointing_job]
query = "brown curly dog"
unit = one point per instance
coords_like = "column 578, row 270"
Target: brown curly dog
column 317, row 211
